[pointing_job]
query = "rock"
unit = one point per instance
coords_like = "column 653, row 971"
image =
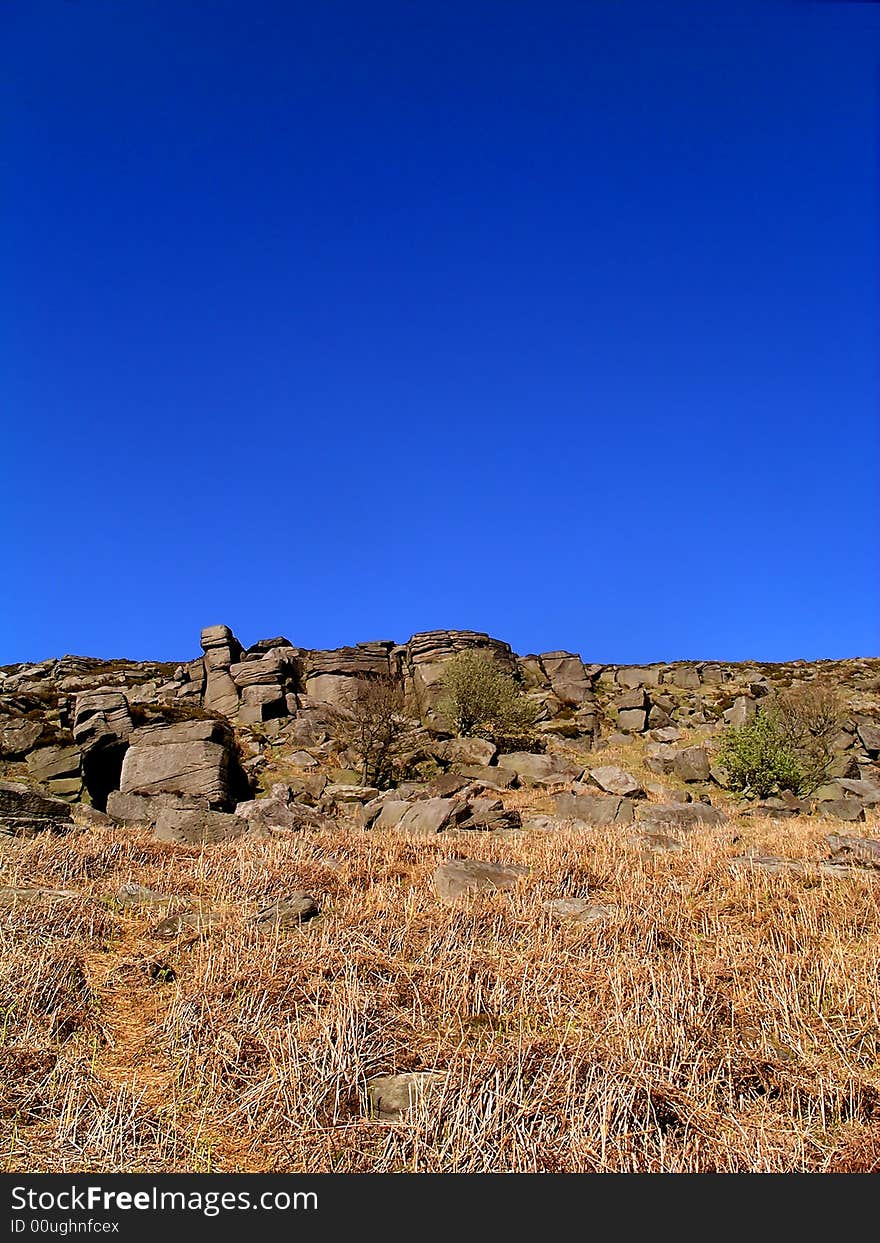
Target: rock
column 867, row 792
column 270, row 670
column 493, row 778
column 869, row 734
column 488, row 815
column 427, row 654
column 594, row 809
column 101, row 717
column 635, row 698
column 616, row 781
column 687, row 677
column 21, row 895
column 393, row 811
column 17, row 737
column 543, row 770
column 279, row 811
column 666, row 794
column 682, row 816
column 842, row 809
column 741, row 711
column 447, row 784
column 542, row 824
column 341, row 793
column 692, row 764
column 186, row 923
column 858, row 851
column 145, row 808
column 634, row 676
column 200, row 827
column 632, row 720
column 57, row 768
column 651, row 842
column 432, row 816
column 192, row 757
column 289, row 912
column 567, row 677
column 658, row 718
column 580, row 911
column 332, row 676
column 392, row 1096
column 461, row 878
column 773, row 864
column 134, row 896
column 668, row 734
column 25, row 812
column 302, row 759
column 466, row 751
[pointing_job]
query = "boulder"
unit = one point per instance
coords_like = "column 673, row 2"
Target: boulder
column 685, row 676
column 59, row 769
column 432, row 815
column 616, row 781
column 466, row 751
column 289, row 912
column 492, row 777
column 775, row 865
column 539, row 770
column 594, row 809
column 682, row 816
column 280, row 811
column 192, row 757
column 195, row 828
column 632, row 720
column 392, row 812
column 392, row 1096
column 651, row 842
column 869, row 735
column 842, row 809
column 25, row 812
column 742, row 710
column 145, row 808
column 580, row 911
column 634, row 676
column 461, row 878
column 691, row 764
column 858, row 851
column 18, row 736
column 567, row 677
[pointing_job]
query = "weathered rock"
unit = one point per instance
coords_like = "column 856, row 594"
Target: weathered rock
column 775, row 865
column 186, row 924
column 580, row 911
column 192, row 757
column 392, row 812
column 842, row 809
column 682, row 816
column 195, row 828
column 289, row 912
column 492, row 777
column 632, row 720
column 567, row 677
column 447, row 784
column 466, row 751
column 432, row 815
column 489, row 815
column 869, row 734
column 280, row 811
column 741, row 711
column 461, row 878
column 101, row 717
column 427, row 654
column 25, row 812
column 145, row 808
column 654, row 843
column 18, row 736
column 616, row 781
column 59, row 769
column 543, row 770
column 331, row 677
column 595, row 809
column 867, row 792
column 858, row 851
column 392, row 1096
column 21, row 895
column 685, row 676
column 634, row 676
column 134, row 896
column 692, row 764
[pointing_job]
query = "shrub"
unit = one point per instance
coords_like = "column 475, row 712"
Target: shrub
column 372, row 727
column 788, row 744
column 756, row 758
column 479, row 698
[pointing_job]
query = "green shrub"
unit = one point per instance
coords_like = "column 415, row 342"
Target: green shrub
column 479, row 698
column 757, row 759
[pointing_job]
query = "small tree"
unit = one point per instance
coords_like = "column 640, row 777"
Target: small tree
column 479, row 698
column 808, row 719
column 756, row 758
column 372, row 726
column 788, row 744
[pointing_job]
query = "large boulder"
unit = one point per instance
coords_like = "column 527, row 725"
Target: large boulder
column 567, row 677
column 59, row 769
column 222, row 650
column 25, row 812
column 614, row 780
column 594, row 809
column 432, row 815
column 683, row 816
column 539, row 770
column 194, row 827
column 869, row 735
column 18, row 735
column 691, row 764
column 461, row 878
column 332, row 676
column 191, row 757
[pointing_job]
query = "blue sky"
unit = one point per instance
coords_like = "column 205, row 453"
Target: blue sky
column 344, row 321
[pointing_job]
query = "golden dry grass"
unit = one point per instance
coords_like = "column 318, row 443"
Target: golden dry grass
column 721, row 1021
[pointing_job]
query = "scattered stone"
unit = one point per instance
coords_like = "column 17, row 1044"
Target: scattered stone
column 594, row 809
column 492, row 778
column 539, row 770
column 580, row 910
column 775, row 865
column 461, row 878
column 195, row 828
column 19, row 895
column 652, row 842
column 431, row 816
column 132, row 895
column 392, row 1096
column 289, row 912
column 186, row 923
column 869, row 734
column 392, row 812
column 466, row 751
column 860, row 851
column 681, row 816
column 692, row 764
column 842, row 809
column 616, row 781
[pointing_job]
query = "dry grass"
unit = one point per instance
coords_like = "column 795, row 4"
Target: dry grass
column 721, row 1021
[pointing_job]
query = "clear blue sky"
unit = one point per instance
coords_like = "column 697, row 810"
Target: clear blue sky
column 346, row 320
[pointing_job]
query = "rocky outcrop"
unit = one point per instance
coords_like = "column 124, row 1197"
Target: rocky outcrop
column 25, row 812
column 190, row 758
